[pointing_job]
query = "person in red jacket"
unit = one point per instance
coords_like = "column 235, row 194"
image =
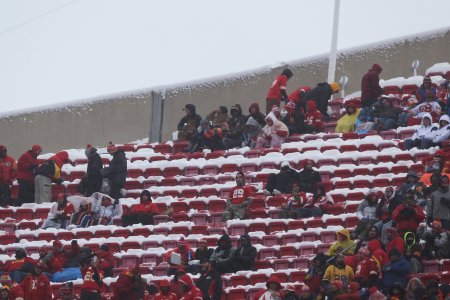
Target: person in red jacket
column 277, row 91
column 106, row 261
column 370, row 86
column 240, row 199
column 141, row 213
column 188, row 289
column 186, row 255
column 59, row 260
column 164, row 292
column 297, row 95
column 366, row 267
column 15, row 290
column 26, row 169
column 313, row 118
column 19, row 267
column 36, row 286
column 273, row 290
column 92, row 286
column 129, row 285
column 394, row 241
column 408, row 216
column 8, row 169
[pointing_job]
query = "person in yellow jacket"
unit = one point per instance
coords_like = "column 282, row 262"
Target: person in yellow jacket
column 339, row 271
column 347, row 122
column 343, row 242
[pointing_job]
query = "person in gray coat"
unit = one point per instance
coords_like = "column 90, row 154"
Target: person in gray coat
column 438, row 207
column 223, row 254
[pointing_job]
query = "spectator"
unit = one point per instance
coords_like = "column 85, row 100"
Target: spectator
column 294, row 119
column 426, row 88
column 92, row 181
column 414, row 115
column 339, row 271
column 81, row 217
column 187, row 126
column 185, row 253
column 164, row 292
column 386, row 114
column 273, row 290
column 343, row 244
column 251, row 132
column 354, row 292
column 438, row 207
column 277, row 91
column 435, row 239
column 102, row 211
column 106, row 260
column 316, row 204
column 388, row 203
column 203, row 253
column 254, row 112
column 20, row 266
column 92, row 286
column 295, row 201
column 298, row 95
column 47, row 172
column 273, row 134
column 188, row 290
column 394, row 241
column 308, row 178
column 60, row 214
column 206, row 138
column 66, row 292
column 210, row 282
column 396, row 271
column 240, row 199
column 116, row 172
column 423, row 135
column 443, row 133
column 8, row 169
column 370, row 86
column 411, row 181
column 129, row 285
column 289, row 293
column 363, row 124
column 143, row 212
column 245, row 255
column 15, row 290
column 64, row 264
column 408, row 216
column 26, row 170
column 315, row 273
column 321, row 94
column 175, row 283
column 223, row 254
column 234, row 129
column 36, row 286
column 347, row 122
column 313, row 122
column 396, row 291
column 218, row 117
column 366, row 269
column 281, row 183
column 366, row 212
column 413, row 284
column 433, row 291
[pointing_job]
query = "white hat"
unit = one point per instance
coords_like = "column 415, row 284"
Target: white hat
column 285, row 164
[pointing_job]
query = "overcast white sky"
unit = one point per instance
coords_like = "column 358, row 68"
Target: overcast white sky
column 97, row 47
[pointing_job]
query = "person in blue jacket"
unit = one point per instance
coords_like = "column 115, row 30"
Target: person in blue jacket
column 396, row 271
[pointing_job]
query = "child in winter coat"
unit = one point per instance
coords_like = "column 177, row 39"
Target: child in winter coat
column 273, row 134
column 423, row 136
column 313, row 118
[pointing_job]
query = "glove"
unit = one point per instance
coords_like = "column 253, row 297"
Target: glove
column 59, row 181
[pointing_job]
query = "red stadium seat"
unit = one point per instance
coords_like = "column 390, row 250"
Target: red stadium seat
column 257, row 226
column 24, row 214
column 237, row 229
column 307, row 250
column 126, row 245
column 276, row 226
column 392, row 89
column 308, row 236
column 281, row 264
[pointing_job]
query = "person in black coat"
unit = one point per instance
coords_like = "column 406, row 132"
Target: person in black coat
column 308, row 178
column 116, row 172
column 321, row 94
column 187, row 127
column 92, row 181
column 210, row 282
column 281, row 183
column 244, row 256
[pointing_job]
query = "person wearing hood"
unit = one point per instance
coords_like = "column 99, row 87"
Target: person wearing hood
column 408, row 216
column 36, row 285
column 251, row 132
column 342, row 244
column 245, row 255
column 396, row 291
column 187, row 127
column 435, row 239
column 423, row 135
column 60, row 214
column 207, row 137
column 321, row 94
column 411, row 181
column 396, row 271
column 18, row 268
column 339, row 271
column 240, row 199
column 143, row 212
column 298, row 95
column 388, row 203
column 347, row 122
column 366, row 212
column 129, row 285
column 234, row 128
column 308, row 178
column 26, row 170
column 295, row 201
column 15, row 289
column 185, row 253
column 223, row 254
column 273, row 291
column 443, row 133
column 64, row 264
column 313, row 121
column 218, row 117
column 425, row 88
column 366, row 270
column 294, row 118
column 188, row 289
column 254, row 112
column 414, row 115
column 386, row 114
column 413, row 284
column 282, row 182
column 370, row 86
column 92, row 181
column 210, row 282
column 273, row 134
column 277, row 91
column 164, row 292
column 48, row 172
column 116, row 172
column 8, row 172
column 104, row 209
column 315, row 273
column 438, row 207
column 315, row 205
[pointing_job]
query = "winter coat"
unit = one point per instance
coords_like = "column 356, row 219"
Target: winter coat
column 313, row 117
column 244, row 257
column 407, row 217
column 203, row 254
column 320, row 94
column 386, row 207
column 252, row 130
column 294, row 121
column 186, row 256
column 36, row 287
column 432, row 107
column 443, row 133
column 421, row 93
column 438, row 208
column 365, row 210
column 347, row 122
column 298, row 95
column 57, row 261
column 273, row 135
column 308, row 179
column 396, row 271
column 236, row 124
column 27, row 166
column 192, row 120
column 194, row 293
column 424, row 131
column 337, row 246
column 104, row 213
column 223, row 254
column 258, row 115
column 145, row 208
column 93, row 176
column 282, row 181
column 127, row 287
column 210, row 284
column 117, row 169
column 49, row 169
column 8, row 169
column 217, row 118
column 370, row 87
column 396, row 243
column 386, row 111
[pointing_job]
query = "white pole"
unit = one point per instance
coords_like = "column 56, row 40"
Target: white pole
column 334, row 37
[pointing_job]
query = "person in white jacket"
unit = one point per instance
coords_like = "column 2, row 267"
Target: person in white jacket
column 366, row 212
column 273, row 134
column 423, row 136
column 443, row 133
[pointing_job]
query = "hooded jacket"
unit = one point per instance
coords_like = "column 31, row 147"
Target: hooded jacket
column 236, row 124
column 192, row 120
column 267, row 294
column 26, row 166
column 425, row 131
column 223, row 254
column 437, row 208
column 396, row 271
column 443, row 133
column 278, row 130
column 386, row 111
column 432, row 107
column 408, row 218
column 217, row 117
column 320, row 94
column 244, row 257
column 338, row 246
column 370, row 86
column 52, row 167
column 252, row 129
column 386, row 206
column 347, row 122
column 257, row 115
column 365, row 210
column 93, row 174
column 313, row 117
column 210, row 284
column 117, row 169
column 194, row 293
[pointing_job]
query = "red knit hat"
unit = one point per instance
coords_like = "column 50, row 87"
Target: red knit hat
column 111, row 148
column 36, row 148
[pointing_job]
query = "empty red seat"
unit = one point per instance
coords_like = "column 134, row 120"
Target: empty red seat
column 162, row 148
column 237, row 229
column 367, row 147
column 403, row 156
column 126, row 245
column 281, row 264
column 257, row 213
column 351, row 221
column 184, row 230
column 307, row 250
column 179, row 206
column 134, row 173
column 65, row 235
column 343, row 184
column 6, row 213
column 150, row 258
column 129, row 260
column 364, row 160
column 229, row 168
column 27, row 225
column 334, row 221
column 46, row 236
column 256, row 278
column 325, row 162
column 269, row 165
column 199, row 229
column 392, row 89
column 380, row 182
column 296, row 224
column 409, row 89
column 7, row 239
column 361, row 171
column 347, row 148
column 431, row 266
column 152, row 172
column 236, row 280
column 308, row 236
column 24, row 214
column 122, row 232
column 276, row 201
column 257, row 226
column 355, row 196
column 161, row 230
column 276, row 226
column 179, row 146
column 180, row 217
column 327, row 236
column 142, row 231
column 343, row 173
column 361, row 183
column 76, row 175
column 198, row 205
column 171, row 171
column 237, row 293
column 207, row 192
